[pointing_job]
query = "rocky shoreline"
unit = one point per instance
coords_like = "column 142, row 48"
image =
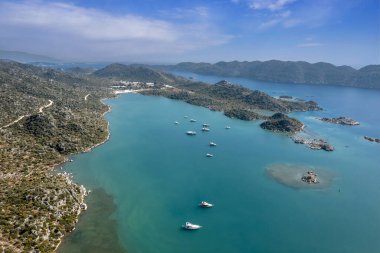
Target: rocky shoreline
column 341, row 121
column 69, row 178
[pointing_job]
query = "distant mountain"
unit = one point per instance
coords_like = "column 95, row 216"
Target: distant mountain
column 25, row 57
column 289, row 72
column 134, row 73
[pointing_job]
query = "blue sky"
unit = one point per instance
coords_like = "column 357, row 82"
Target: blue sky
column 343, row 32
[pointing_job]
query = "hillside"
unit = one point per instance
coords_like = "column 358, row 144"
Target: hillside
column 117, row 71
column 44, row 118
column 289, row 72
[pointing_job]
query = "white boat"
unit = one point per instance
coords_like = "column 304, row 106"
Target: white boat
column 71, row 160
column 227, row 127
column 209, row 155
column 190, row 226
column 176, row 122
column 191, row 133
column 212, row 144
column 193, row 120
column 205, row 204
column 205, row 129
column 205, row 125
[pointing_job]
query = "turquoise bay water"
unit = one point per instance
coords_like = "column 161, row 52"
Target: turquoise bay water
column 157, row 175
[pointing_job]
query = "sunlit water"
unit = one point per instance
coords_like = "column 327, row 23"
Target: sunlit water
column 157, row 175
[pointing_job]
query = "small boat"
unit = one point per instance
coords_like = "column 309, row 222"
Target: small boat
column 205, row 204
column 176, row 122
column 205, row 125
column 71, row 160
column 205, row 129
column 212, row 144
column 209, row 155
column 227, row 127
column 191, row 133
column 193, row 120
column 190, row 226
column 185, row 117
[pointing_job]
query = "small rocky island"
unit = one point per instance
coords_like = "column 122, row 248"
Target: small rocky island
column 341, row 121
column 310, row 177
column 300, row 176
column 372, row 139
column 318, row 144
column 280, row 122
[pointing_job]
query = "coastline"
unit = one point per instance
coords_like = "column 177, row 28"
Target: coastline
column 71, row 181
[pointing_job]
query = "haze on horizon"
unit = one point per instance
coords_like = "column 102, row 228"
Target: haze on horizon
column 342, row 32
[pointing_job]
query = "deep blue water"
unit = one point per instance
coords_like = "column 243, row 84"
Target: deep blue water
column 156, row 175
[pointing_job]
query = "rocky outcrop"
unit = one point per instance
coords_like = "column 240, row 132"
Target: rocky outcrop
column 341, row 121
column 317, row 144
column 310, row 177
column 372, row 139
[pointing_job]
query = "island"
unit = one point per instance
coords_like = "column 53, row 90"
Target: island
column 313, row 143
column 310, row 177
column 377, row 140
column 341, row 121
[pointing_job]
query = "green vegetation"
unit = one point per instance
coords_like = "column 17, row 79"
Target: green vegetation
column 279, row 122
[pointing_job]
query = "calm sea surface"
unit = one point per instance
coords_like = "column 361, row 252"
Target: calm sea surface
column 149, row 177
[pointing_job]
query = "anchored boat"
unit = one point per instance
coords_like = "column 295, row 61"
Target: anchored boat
column 205, row 204
column 190, row 226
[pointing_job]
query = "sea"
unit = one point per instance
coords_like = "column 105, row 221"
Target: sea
column 149, row 178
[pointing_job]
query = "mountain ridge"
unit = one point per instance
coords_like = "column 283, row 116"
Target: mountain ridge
column 24, row 57
column 297, row 72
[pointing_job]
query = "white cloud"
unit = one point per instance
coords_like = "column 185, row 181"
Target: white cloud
column 283, row 13
column 272, row 5
column 69, row 31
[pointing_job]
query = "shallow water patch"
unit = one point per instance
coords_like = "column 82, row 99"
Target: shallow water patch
column 96, row 230
column 291, row 175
